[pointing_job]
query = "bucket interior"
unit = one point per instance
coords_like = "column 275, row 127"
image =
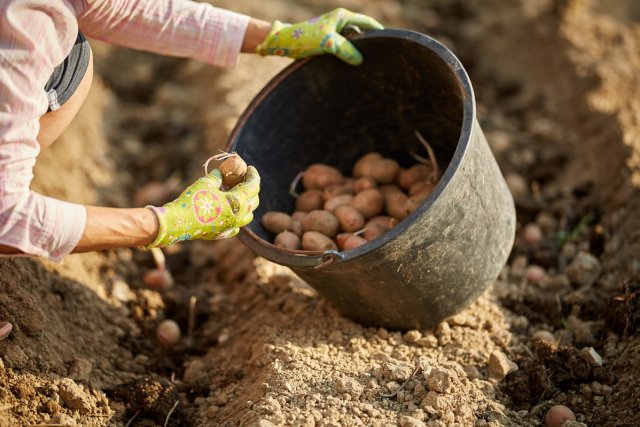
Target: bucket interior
column 324, row 111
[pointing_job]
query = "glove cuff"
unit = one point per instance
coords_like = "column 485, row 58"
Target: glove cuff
column 267, row 46
column 160, row 239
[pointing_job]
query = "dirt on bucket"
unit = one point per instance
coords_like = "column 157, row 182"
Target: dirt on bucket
column 556, row 87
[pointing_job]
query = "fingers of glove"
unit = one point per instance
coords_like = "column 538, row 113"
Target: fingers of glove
column 245, row 219
column 251, row 185
column 252, row 204
column 228, row 233
column 364, row 22
column 215, row 176
column 346, row 51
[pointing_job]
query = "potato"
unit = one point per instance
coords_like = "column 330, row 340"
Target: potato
column 383, row 170
column 334, row 190
column 287, row 240
column 350, row 185
column 341, row 238
column 386, row 222
column 299, row 215
column 233, row 170
column 363, row 161
column 296, row 227
column 395, row 205
column 309, row 200
column 353, row 242
column 422, row 187
column 349, row 218
column 320, row 176
column 365, row 183
column 276, row 222
column 373, row 231
column 321, row 221
column 389, row 188
column 369, row 202
column 408, row 177
column 314, row 241
column 335, row 202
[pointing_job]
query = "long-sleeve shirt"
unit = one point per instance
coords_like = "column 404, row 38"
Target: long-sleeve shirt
column 36, row 36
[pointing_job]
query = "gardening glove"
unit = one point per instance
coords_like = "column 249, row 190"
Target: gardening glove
column 317, row 36
column 204, row 211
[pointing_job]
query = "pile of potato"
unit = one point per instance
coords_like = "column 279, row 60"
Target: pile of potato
column 338, row 212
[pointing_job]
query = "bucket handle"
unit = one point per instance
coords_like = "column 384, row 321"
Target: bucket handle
column 328, row 258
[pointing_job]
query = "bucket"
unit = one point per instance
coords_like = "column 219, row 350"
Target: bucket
column 440, row 258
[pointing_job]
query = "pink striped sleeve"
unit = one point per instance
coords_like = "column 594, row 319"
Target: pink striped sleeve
column 171, row 27
column 35, row 36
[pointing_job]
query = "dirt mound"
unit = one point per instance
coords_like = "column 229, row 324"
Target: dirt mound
column 554, row 85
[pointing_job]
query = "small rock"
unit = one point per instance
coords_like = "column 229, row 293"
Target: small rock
column 517, row 185
column 532, row 233
column 407, row 421
column 570, row 423
column 5, row 329
column 429, row 341
column 14, row 357
column 412, row 336
column 73, row 396
column 265, row 423
column 500, row 365
column 592, row 356
column 584, row 269
column 80, row 369
column 395, row 371
column 349, row 386
column 63, row 419
column 535, row 274
column 543, row 336
column 441, row 380
column 383, row 333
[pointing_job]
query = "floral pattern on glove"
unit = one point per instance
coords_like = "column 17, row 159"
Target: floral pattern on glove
column 205, row 211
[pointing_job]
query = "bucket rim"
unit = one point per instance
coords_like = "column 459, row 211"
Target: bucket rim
column 314, row 259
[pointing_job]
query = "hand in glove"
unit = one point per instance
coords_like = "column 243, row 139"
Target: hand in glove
column 317, row 36
column 204, row 211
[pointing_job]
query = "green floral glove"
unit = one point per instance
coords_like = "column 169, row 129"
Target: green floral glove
column 204, row 211
column 317, row 36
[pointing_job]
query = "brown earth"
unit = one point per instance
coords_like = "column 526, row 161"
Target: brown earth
column 556, row 87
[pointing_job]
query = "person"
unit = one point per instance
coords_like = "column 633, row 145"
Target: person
column 46, row 70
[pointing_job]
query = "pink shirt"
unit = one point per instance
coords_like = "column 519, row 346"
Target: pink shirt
column 36, row 36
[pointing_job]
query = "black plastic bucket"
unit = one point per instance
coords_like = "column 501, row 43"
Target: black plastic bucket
column 444, row 255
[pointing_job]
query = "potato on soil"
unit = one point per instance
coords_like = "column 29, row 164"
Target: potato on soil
column 287, row 240
column 333, row 203
column 408, row 177
column 353, row 242
column 320, row 176
column 233, row 170
column 349, row 218
column 365, row 183
column 369, row 202
column 321, row 221
column 309, row 200
column 276, row 222
column 333, row 191
column 314, row 241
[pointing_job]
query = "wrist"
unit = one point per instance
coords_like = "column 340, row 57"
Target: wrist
column 257, row 32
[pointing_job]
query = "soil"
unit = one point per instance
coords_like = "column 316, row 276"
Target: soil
column 556, row 89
